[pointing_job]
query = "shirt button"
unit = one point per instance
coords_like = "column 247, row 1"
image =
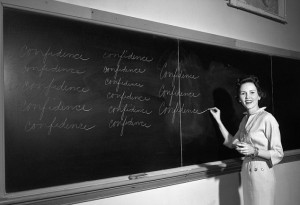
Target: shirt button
column 262, row 169
column 255, row 169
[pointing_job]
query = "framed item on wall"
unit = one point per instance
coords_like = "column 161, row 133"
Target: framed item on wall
column 273, row 9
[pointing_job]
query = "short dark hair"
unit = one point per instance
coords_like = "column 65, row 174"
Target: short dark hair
column 249, row 79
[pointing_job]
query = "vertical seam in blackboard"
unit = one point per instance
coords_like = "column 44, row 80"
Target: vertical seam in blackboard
column 179, row 101
column 2, row 132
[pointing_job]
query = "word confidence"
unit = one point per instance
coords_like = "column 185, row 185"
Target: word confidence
column 53, row 106
column 56, row 69
column 53, row 85
column 27, row 51
column 123, row 70
column 62, row 124
column 128, row 56
column 177, row 74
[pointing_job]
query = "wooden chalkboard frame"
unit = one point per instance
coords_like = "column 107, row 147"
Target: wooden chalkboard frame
column 76, row 193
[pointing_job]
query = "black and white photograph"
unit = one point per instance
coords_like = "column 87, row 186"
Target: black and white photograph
column 174, row 102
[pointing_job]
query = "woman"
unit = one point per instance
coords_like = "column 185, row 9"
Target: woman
column 258, row 139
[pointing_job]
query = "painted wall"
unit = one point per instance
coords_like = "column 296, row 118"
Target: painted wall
column 212, row 191
column 211, row 16
column 215, row 17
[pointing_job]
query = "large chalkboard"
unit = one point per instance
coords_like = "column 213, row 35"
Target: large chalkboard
column 82, row 102
column 86, row 101
column 286, row 74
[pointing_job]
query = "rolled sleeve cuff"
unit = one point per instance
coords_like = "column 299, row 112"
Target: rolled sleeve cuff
column 276, row 156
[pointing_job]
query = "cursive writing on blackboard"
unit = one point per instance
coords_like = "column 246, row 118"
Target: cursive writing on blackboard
column 45, row 112
column 56, row 69
column 28, row 51
column 120, row 81
column 59, row 106
column 117, row 69
column 177, row 74
column 55, row 124
column 127, row 108
column 127, row 55
column 53, row 85
column 125, row 103
column 163, row 92
column 124, row 122
column 179, row 108
column 125, row 96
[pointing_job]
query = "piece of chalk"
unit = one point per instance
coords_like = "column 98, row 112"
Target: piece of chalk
column 204, row 111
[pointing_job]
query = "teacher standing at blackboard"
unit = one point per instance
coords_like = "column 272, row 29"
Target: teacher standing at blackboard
column 258, row 139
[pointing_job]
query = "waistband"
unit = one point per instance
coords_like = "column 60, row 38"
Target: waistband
column 256, row 160
column 259, row 159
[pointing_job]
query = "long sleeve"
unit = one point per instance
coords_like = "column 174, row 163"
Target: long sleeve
column 272, row 132
column 235, row 139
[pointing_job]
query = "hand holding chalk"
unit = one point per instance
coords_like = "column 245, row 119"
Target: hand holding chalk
column 216, row 113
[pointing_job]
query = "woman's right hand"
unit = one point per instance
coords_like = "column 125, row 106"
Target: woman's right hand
column 216, row 113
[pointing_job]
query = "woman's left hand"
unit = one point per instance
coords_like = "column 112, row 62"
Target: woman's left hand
column 245, row 148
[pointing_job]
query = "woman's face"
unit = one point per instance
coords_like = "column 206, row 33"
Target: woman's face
column 249, row 97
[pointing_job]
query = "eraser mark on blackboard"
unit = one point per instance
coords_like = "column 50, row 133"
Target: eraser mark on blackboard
column 137, row 176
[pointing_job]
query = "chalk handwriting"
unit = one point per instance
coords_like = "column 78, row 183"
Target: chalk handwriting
column 27, row 51
column 176, row 74
column 56, row 124
column 165, row 92
column 163, row 110
column 125, row 96
column 57, row 86
column 124, row 122
column 118, row 82
column 59, row 106
column 127, row 109
column 57, row 69
column 117, row 69
column 127, row 55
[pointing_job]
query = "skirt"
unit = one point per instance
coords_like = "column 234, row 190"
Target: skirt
column 258, row 182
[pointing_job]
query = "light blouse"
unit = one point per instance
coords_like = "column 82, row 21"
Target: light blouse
column 261, row 130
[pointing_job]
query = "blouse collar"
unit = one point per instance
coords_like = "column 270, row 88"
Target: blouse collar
column 257, row 111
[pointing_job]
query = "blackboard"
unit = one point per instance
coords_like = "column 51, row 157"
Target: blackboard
column 286, row 74
column 85, row 101
column 81, row 102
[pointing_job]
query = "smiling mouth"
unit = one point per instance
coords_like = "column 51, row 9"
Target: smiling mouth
column 248, row 102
